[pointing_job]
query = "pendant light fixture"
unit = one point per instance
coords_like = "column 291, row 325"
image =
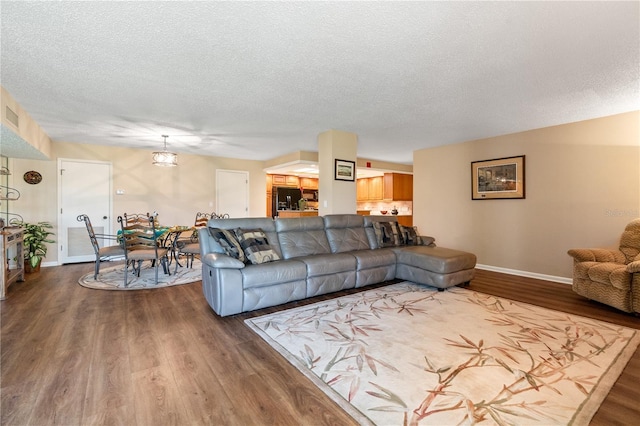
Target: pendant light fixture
column 165, row 158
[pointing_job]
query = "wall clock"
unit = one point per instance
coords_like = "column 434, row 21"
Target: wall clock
column 32, row 177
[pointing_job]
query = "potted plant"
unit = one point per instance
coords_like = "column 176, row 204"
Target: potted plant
column 34, row 242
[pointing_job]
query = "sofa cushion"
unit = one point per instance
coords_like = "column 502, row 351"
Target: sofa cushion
column 228, row 242
column 255, row 245
column 345, row 232
column 326, row 264
column 303, row 236
column 267, row 274
column 388, row 234
column 435, row 259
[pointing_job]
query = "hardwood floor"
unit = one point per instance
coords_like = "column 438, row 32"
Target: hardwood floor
column 74, row 356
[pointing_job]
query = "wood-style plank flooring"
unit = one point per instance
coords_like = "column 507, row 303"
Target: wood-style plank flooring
column 74, row 356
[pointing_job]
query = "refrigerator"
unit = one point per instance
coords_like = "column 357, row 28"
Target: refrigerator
column 284, row 198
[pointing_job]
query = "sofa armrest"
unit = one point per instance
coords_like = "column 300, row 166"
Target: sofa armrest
column 428, row 241
column 633, row 267
column 597, row 255
column 219, row 260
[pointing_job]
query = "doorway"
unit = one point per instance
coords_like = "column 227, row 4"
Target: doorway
column 84, row 188
column 232, row 193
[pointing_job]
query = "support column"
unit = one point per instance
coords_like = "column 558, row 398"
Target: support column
column 336, row 196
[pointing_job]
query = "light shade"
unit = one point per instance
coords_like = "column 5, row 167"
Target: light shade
column 165, row 158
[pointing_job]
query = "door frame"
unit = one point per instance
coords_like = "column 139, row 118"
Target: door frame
column 62, row 236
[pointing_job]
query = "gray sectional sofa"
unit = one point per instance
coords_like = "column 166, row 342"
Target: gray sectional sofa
column 314, row 256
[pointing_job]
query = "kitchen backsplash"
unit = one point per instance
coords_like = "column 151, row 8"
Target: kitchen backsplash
column 405, row 208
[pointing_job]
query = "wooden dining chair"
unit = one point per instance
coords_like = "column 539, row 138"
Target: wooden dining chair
column 105, row 253
column 139, row 236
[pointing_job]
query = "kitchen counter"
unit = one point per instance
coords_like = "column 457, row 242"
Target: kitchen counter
column 297, row 213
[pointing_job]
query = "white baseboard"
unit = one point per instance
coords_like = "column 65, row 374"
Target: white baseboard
column 527, row 274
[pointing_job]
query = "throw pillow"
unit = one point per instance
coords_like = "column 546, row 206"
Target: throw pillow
column 228, row 242
column 388, row 234
column 410, row 234
column 255, row 245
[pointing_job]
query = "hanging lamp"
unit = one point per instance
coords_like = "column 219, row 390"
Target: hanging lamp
column 165, row 158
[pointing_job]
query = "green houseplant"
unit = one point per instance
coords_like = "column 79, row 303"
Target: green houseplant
column 36, row 235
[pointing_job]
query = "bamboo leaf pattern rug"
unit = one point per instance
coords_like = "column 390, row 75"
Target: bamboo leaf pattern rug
column 408, row 354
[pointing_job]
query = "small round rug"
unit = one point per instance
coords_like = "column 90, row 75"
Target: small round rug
column 113, row 278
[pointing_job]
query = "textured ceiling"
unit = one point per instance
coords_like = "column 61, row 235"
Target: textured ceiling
column 256, row 80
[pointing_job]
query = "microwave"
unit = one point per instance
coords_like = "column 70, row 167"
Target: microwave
column 310, row 194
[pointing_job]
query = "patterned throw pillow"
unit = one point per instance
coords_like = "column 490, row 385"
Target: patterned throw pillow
column 255, row 245
column 228, row 242
column 388, row 234
column 410, row 234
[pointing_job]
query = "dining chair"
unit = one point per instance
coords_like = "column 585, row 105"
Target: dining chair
column 140, row 239
column 105, row 253
column 190, row 247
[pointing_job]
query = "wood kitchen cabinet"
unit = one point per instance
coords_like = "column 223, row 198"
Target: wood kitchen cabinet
column 284, row 180
column 308, row 183
column 405, row 220
column 376, row 188
column 362, row 189
column 398, row 187
column 370, row 189
column 296, row 213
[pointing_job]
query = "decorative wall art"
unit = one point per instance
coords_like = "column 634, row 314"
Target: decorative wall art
column 345, row 170
column 32, row 177
column 499, row 178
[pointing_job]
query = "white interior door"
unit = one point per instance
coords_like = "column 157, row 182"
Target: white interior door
column 232, row 193
column 84, row 188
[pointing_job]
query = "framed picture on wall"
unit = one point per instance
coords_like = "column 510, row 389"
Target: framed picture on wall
column 345, row 170
column 497, row 179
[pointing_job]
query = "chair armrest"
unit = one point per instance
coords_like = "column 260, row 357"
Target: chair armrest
column 633, row 267
column 597, row 255
column 219, row 260
column 110, row 237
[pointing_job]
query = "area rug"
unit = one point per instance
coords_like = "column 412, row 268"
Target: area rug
column 409, row 355
column 113, row 278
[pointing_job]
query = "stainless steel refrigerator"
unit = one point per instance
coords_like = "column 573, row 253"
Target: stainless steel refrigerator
column 284, row 198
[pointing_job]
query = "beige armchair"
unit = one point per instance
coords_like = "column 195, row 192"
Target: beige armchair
column 611, row 276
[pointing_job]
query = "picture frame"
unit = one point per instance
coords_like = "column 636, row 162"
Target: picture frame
column 498, row 179
column 345, row 170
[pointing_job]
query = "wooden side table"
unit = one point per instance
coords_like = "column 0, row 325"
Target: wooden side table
column 11, row 258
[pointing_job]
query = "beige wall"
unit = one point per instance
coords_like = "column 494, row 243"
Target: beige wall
column 29, row 131
column 582, row 188
column 177, row 194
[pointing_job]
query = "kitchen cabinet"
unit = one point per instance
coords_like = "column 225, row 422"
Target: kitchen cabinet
column 362, row 189
column 398, row 187
column 284, row 180
column 405, row 220
column 376, row 188
column 370, row 189
column 308, row 183
column 296, row 213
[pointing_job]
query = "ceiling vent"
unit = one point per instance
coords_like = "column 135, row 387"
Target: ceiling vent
column 12, row 117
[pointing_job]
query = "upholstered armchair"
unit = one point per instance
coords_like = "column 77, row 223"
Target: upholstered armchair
column 611, row 276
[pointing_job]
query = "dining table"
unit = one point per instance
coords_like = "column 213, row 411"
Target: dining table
column 169, row 239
